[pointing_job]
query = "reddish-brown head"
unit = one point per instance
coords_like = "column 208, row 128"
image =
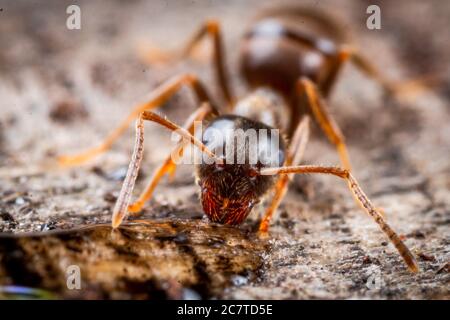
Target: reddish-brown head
column 229, row 191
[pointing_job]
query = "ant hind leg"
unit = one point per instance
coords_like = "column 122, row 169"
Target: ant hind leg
column 398, row 89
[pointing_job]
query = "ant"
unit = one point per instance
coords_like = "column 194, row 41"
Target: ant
column 290, row 71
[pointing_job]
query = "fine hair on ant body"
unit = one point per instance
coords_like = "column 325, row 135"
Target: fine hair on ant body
column 290, row 69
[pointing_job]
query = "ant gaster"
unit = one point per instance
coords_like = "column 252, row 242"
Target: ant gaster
column 290, row 69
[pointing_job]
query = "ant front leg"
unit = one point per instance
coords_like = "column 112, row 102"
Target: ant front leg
column 294, row 157
column 360, row 197
column 316, row 105
column 159, row 96
column 210, row 28
column 121, row 207
column 169, row 166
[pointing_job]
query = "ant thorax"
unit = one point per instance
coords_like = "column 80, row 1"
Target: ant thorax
column 264, row 105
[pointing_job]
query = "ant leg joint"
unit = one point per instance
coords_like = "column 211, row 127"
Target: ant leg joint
column 212, row 26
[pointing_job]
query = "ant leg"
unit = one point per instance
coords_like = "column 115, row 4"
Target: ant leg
column 324, row 118
column 209, row 28
column 169, row 165
column 360, row 197
column 159, row 96
column 212, row 28
column 121, row 207
column 326, row 84
column 294, row 157
column 394, row 88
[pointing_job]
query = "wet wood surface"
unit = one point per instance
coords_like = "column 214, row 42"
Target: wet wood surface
column 140, row 260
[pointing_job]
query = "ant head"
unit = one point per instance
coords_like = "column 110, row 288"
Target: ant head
column 229, row 190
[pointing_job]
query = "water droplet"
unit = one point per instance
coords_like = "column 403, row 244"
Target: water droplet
column 181, row 238
column 118, row 174
column 189, row 294
column 20, row 201
column 238, row 280
column 48, row 226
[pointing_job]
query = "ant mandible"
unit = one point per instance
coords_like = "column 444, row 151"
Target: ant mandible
column 291, row 71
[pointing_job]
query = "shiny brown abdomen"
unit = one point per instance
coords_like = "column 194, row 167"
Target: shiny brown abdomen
column 278, row 64
column 270, row 58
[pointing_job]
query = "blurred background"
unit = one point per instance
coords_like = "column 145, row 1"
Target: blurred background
column 96, row 71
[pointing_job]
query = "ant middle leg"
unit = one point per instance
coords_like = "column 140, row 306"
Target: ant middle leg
column 316, row 105
column 327, row 82
column 159, row 96
column 294, row 157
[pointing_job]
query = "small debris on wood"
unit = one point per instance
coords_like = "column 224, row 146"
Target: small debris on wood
column 110, row 197
column 426, row 257
column 444, row 268
column 67, row 111
column 6, row 216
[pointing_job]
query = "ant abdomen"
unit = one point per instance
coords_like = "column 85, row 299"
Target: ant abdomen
column 276, row 54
